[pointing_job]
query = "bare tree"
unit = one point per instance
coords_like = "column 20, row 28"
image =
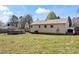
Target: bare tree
column 25, row 19
column 13, row 21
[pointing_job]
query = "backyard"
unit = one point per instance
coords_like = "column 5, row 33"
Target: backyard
column 39, row 44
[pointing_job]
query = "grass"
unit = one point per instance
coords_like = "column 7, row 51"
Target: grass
column 39, row 44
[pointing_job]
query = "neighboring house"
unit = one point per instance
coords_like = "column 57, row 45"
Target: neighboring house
column 75, row 21
column 18, row 26
column 56, row 26
column 13, row 24
column 27, row 27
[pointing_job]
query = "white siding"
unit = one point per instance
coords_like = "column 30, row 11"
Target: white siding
column 62, row 28
column 61, row 24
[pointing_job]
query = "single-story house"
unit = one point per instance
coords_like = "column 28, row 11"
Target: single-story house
column 55, row 26
column 75, row 22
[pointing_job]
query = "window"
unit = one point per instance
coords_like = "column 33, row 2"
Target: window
column 51, row 26
column 39, row 26
column 45, row 26
column 31, row 26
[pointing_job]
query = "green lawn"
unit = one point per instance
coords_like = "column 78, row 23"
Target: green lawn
column 39, row 43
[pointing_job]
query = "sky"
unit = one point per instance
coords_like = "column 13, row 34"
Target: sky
column 37, row 11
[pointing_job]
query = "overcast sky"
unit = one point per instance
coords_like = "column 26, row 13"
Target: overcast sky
column 38, row 11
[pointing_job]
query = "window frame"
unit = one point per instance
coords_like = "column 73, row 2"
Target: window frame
column 51, row 26
column 39, row 26
column 45, row 26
